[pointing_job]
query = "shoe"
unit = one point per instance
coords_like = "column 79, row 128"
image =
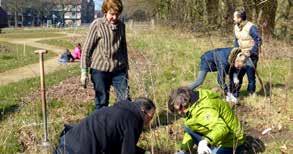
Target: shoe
column 253, row 95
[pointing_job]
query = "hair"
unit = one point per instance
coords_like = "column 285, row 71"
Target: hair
column 115, row 5
column 233, row 55
column 180, row 96
column 241, row 57
column 241, row 13
column 145, row 104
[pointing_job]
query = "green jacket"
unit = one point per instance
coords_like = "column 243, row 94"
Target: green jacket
column 214, row 119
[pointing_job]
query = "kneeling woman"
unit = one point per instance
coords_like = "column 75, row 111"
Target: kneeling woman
column 209, row 122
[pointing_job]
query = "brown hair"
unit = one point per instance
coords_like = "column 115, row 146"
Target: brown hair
column 180, row 96
column 115, row 5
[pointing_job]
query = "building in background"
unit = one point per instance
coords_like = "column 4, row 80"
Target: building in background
column 57, row 13
column 3, row 18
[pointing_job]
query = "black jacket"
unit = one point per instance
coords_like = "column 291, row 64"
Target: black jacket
column 110, row 130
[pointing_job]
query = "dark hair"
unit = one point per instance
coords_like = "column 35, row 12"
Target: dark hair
column 146, row 104
column 241, row 13
column 180, row 96
column 116, row 5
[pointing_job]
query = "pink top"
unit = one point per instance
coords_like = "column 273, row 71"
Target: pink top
column 76, row 53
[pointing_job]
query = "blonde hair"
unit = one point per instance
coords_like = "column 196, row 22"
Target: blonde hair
column 241, row 57
column 115, row 5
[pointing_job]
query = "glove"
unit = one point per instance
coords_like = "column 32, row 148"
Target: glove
column 235, row 79
column 147, row 152
column 231, row 98
column 84, row 78
column 180, row 152
column 203, row 147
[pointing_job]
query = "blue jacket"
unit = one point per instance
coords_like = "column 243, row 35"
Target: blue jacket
column 253, row 32
column 217, row 60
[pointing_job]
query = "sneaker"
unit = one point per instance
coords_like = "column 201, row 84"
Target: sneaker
column 253, row 95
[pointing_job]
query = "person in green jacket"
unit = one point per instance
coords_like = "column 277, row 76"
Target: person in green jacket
column 209, row 122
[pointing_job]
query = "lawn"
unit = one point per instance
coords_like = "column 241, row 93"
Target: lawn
column 14, row 56
column 160, row 60
column 65, row 43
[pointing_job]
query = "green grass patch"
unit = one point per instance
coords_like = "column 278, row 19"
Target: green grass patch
column 27, row 35
column 14, row 56
column 66, row 43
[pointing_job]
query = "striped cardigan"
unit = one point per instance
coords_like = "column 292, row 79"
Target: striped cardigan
column 105, row 47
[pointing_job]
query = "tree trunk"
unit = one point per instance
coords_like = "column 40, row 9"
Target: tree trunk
column 15, row 18
column 267, row 18
column 212, row 11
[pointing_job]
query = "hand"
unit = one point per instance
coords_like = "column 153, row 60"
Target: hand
column 235, row 79
column 180, row 152
column 228, row 97
column 84, row 79
column 233, row 99
column 203, row 147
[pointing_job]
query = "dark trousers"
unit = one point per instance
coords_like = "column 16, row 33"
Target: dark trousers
column 249, row 70
column 196, row 137
column 102, row 82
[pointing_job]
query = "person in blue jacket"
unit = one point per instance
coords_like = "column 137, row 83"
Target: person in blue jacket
column 224, row 61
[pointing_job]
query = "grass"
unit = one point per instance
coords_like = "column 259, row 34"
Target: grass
column 17, row 116
column 26, row 35
column 14, row 56
column 66, row 43
column 160, row 60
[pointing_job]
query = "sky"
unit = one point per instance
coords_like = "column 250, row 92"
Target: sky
column 98, row 4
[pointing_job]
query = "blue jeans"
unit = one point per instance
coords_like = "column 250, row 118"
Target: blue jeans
column 250, row 71
column 196, row 137
column 102, row 82
column 201, row 77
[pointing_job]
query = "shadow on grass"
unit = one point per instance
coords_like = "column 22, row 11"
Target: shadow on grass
column 164, row 118
column 7, row 109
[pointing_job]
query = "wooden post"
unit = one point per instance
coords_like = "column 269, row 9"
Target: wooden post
column 45, row 142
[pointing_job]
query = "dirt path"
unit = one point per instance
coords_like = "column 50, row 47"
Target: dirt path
column 32, row 70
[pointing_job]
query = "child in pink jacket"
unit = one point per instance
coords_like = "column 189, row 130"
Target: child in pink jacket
column 77, row 52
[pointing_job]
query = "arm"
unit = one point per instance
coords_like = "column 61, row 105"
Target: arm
column 236, row 44
column 207, row 122
column 89, row 46
column 187, row 142
column 217, row 128
column 131, row 133
column 253, row 32
column 221, row 77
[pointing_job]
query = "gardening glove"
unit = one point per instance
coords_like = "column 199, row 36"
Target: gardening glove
column 84, row 78
column 235, row 79
column 228, row 97
column 147, row 152
column 180, row 152
column 203, row 147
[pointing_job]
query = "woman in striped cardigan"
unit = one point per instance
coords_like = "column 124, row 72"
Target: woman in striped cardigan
column 105, row 55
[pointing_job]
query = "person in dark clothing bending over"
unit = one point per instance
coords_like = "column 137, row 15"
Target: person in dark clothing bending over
column 110, row 130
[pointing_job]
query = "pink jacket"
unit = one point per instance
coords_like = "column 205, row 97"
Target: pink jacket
column 76, row 53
